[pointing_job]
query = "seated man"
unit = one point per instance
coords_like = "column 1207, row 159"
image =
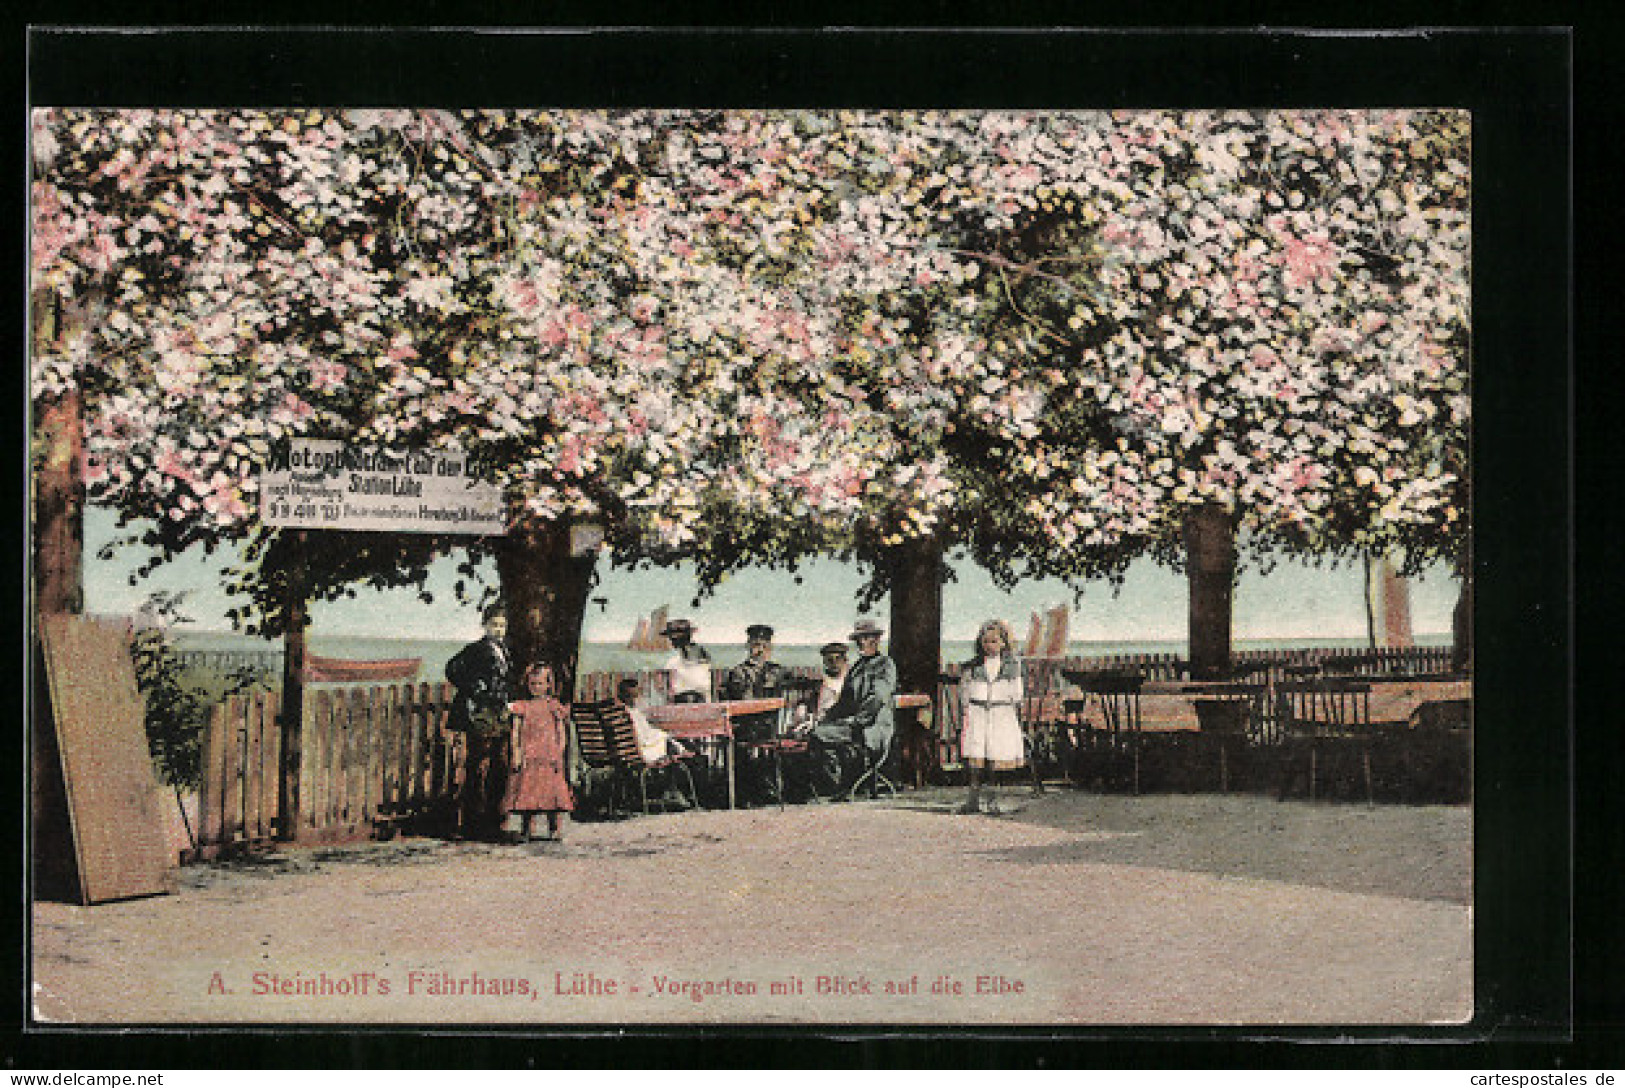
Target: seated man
column 689, row 665
column 756, row 677
column 654, row 743
column 860, row 718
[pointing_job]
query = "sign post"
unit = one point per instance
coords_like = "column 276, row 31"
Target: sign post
column 293, row 689
column 327, row 484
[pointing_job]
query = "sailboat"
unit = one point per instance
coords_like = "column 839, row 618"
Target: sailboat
column 1057, row 631
column 648, row 637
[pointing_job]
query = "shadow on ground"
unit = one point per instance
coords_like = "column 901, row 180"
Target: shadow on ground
column 1413, row 852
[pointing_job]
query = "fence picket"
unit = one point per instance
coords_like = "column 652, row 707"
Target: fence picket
column 399, row 754
column 253, row 769
column 319, row 706
column 355, row 723
column 231, row 772
column 211, row 795
column 372, row 737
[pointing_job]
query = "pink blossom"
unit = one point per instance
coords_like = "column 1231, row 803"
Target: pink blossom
column 1309, row 259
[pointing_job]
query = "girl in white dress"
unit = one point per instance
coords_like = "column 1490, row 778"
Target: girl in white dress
column 990, row 697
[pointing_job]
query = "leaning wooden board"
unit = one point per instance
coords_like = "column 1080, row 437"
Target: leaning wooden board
column 118, row 826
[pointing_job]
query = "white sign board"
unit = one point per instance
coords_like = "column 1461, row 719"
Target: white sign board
column 324, row 484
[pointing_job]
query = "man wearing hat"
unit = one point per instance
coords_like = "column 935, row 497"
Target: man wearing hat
column 480, row 672
column 756, row 677
column 833, row 657
column 861, row 715
column 689, row 666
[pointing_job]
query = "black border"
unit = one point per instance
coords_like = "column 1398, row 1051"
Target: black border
column 1516, row 82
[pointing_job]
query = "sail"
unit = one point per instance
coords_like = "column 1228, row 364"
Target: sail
column 1058, row 633
column 1035, row 636
column 648, row 637
column 657, row 627
column 640, row 635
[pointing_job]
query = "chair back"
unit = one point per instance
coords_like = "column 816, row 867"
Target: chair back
column 620, row 735
column 1118, row 694
column 1328, row 706
column 1445, row 715
column 585, row 716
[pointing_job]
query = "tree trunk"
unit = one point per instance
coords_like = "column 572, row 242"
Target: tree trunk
column 1396, row 608
column 916, row 643
column 59, row 486
column 545, row 589
column 59, row 509
column 1210, row 569
column 1461, row 627
column 295, row 612
column 1370, row 608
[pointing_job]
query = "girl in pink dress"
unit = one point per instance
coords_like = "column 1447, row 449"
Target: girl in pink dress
column 536, row 782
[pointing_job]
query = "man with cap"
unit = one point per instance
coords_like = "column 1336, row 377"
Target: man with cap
column 756, row 677
column 833, row 656
column 689, row 666
column 861, row 715
column 480, row 672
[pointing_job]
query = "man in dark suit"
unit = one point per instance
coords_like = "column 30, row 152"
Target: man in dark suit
column 481, row 674
column 756, row 677
column 861, row 718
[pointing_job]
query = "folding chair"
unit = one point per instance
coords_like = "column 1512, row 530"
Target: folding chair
column 593, row 746
column 874, row 773
column 1038, row 676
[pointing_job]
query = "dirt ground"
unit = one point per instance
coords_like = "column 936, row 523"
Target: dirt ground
column 1079, row 909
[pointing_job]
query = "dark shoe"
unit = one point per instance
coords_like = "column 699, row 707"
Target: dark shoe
column 969, row 808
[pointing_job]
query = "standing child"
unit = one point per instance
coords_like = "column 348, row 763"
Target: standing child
column 537, row 781
column 990, row 691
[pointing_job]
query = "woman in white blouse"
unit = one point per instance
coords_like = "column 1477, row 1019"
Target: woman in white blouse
column 990, row 696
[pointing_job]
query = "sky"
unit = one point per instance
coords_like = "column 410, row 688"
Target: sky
column 1292, row 601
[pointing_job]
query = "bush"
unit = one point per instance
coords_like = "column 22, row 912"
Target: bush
column 177, row 707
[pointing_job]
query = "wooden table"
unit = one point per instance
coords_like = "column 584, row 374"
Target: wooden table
column 1395, row 698
column 711, row 721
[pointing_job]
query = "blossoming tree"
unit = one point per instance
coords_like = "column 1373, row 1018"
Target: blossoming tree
column 1057, row 341
column 1161, row 329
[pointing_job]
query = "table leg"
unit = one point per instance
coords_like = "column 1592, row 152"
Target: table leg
column 729, row 758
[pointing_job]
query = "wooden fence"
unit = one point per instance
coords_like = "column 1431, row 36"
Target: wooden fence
column 268, row 662
column 375, row 755
column 370, row 756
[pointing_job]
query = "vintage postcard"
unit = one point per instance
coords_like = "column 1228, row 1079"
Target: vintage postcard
column 752, row 566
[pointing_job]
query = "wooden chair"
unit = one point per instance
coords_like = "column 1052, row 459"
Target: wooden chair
column 621, row 740
column 1042, row 734
column 779, row 744
column 1118, row 739
column 1321, row 717
column 950, row 723
column 593, row 745
column 1236, row 719
column 1438, row 751
column 874, row 774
